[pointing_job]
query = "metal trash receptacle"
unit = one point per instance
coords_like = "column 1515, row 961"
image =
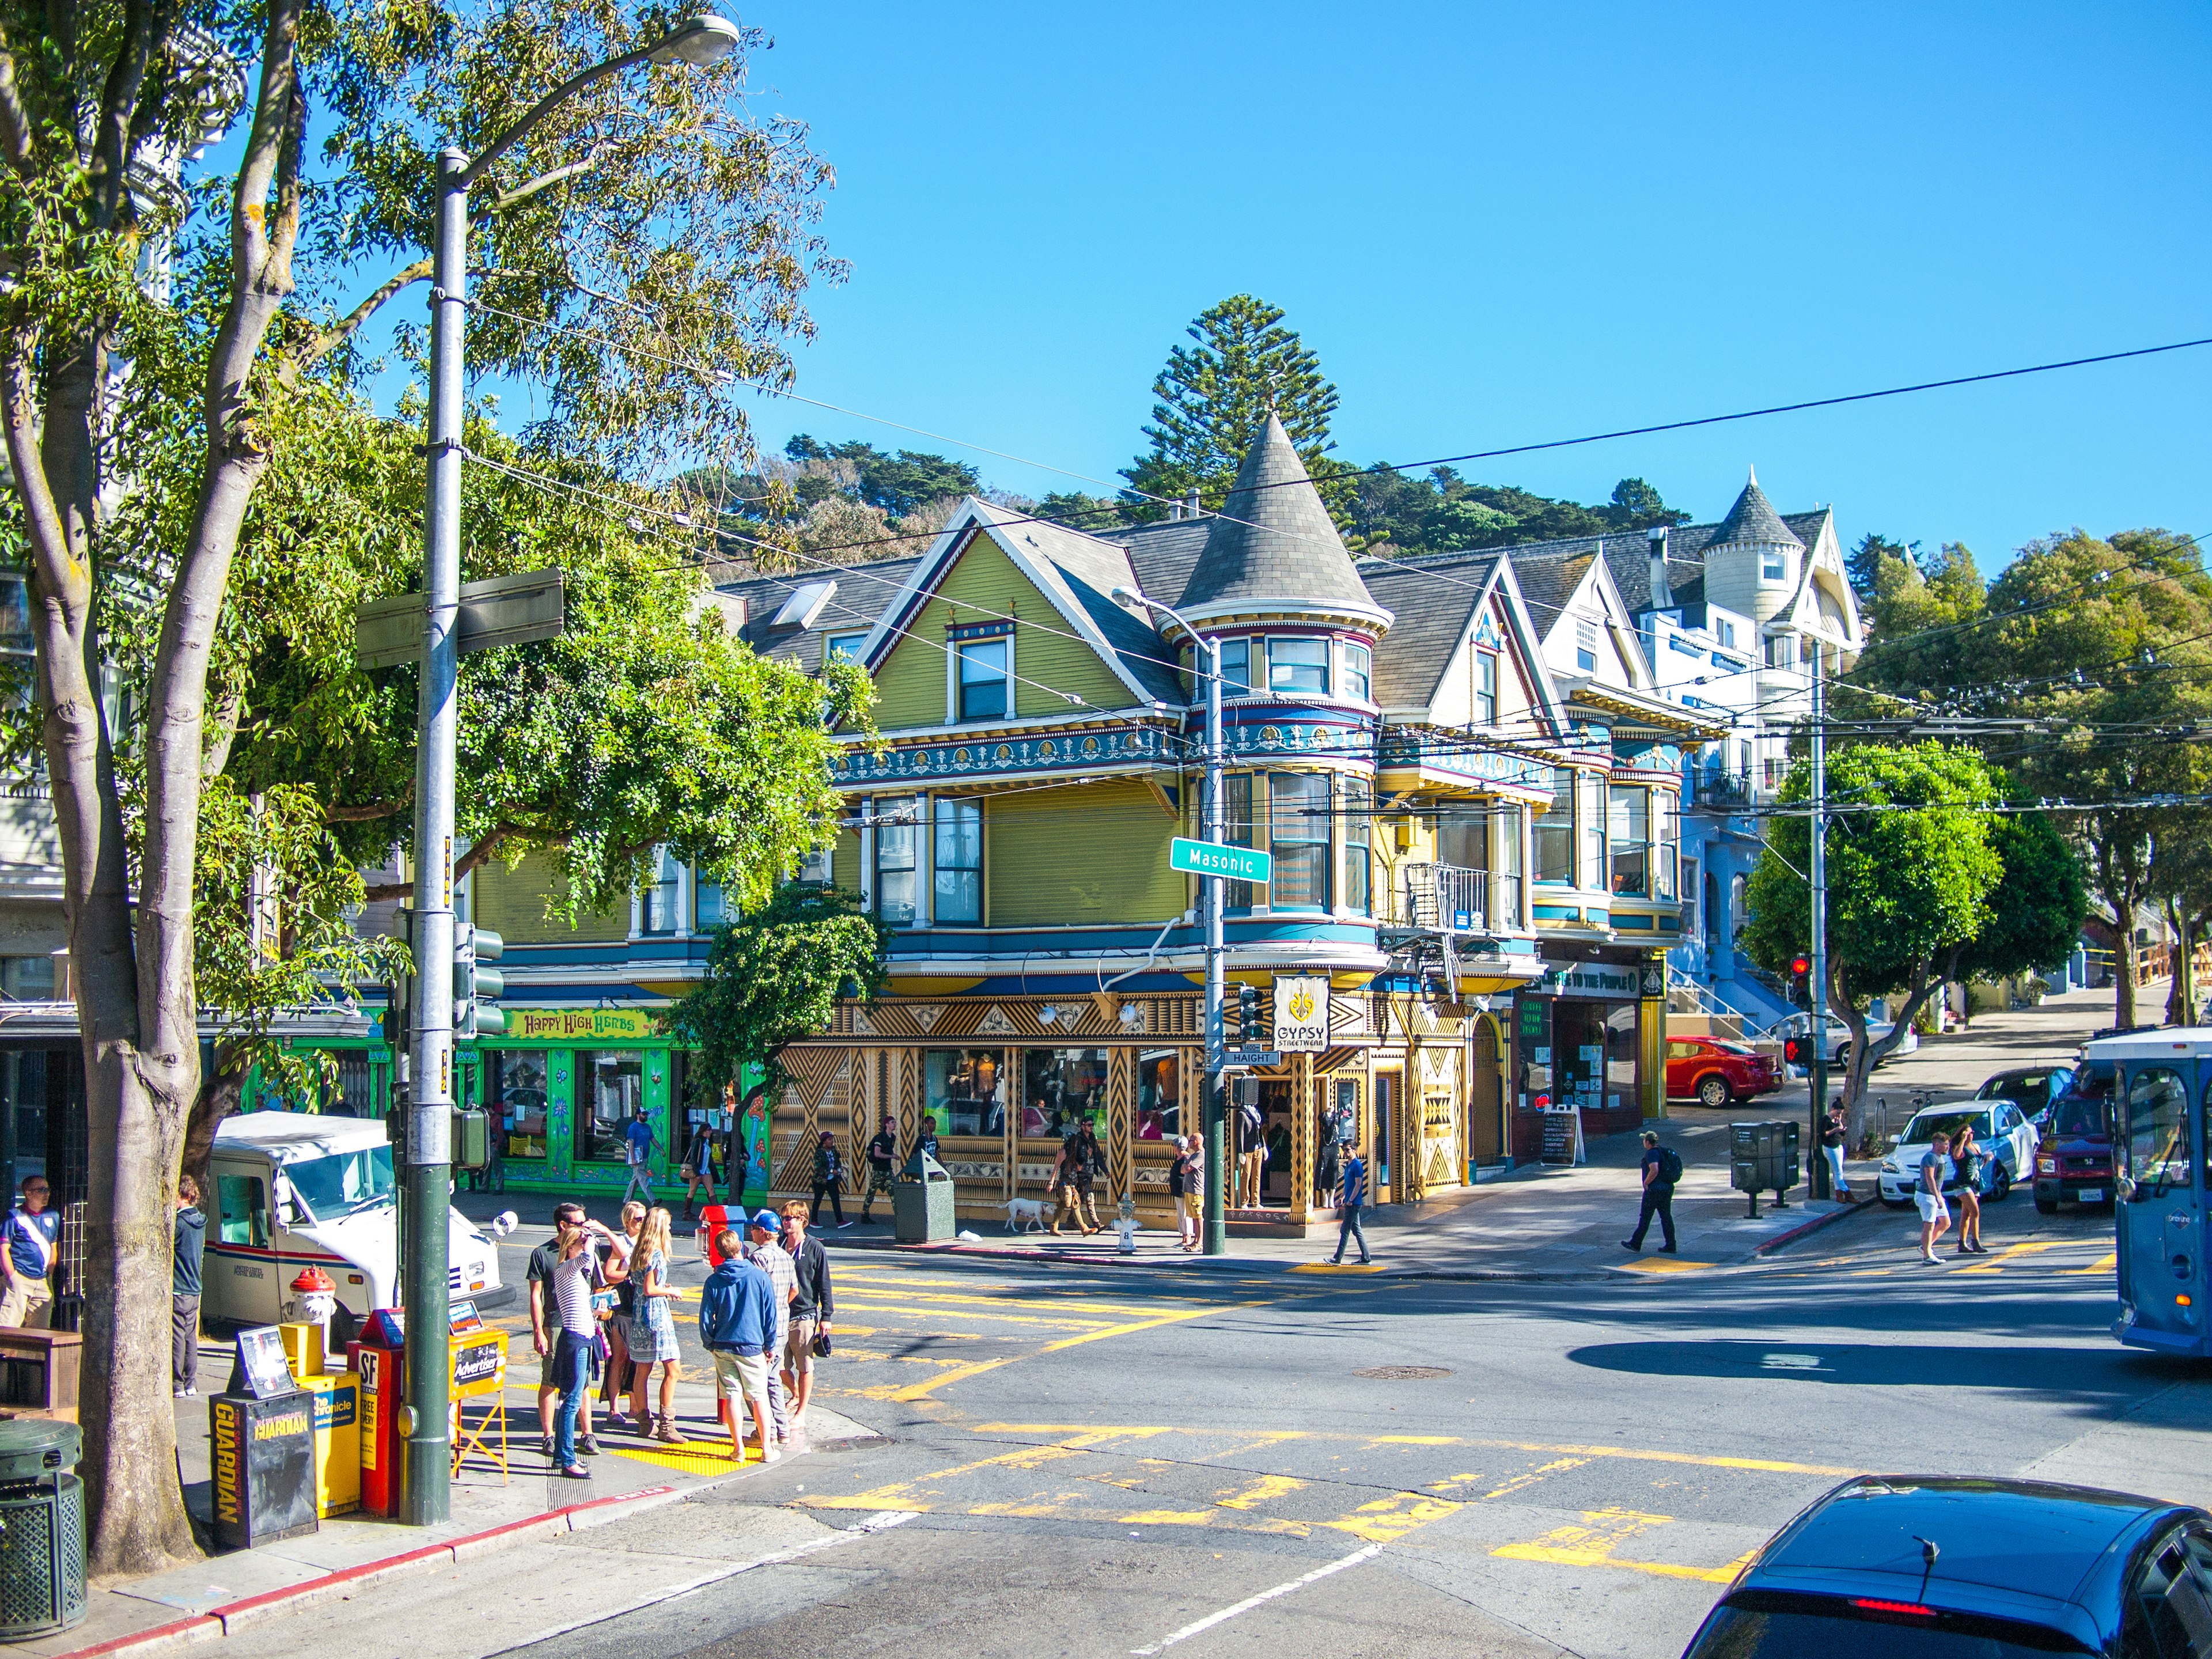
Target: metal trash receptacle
column 921, row 1201
column 42, row 1541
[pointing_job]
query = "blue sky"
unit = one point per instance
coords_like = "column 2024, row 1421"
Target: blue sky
column 1504, row 225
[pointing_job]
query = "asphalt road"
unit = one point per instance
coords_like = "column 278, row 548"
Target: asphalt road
column 1099, row 1462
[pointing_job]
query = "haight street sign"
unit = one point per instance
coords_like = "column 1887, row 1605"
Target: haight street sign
column 1210, row 858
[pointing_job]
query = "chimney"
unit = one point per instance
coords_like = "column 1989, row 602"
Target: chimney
column 1190, row 505
column 1175, row 511
column 1662, row 595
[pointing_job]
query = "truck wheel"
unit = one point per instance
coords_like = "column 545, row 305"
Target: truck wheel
column 1714, row 1091
column 2045, row 1205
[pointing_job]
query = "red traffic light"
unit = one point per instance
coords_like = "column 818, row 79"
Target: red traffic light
column 1801, row 965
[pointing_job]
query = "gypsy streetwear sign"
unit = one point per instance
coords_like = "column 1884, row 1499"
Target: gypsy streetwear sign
column 1302, row 1014
column 1212, row 858
column 562, row 1023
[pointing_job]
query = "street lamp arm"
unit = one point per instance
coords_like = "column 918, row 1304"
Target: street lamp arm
column 473, row 175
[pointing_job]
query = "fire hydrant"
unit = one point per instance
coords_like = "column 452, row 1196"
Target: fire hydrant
column 315, row 1296
column 1125, row 1224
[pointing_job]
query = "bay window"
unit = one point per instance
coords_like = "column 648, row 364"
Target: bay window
column 1591, row 816
column 1506, row 882
column 1555, row 831
column 1359, row 839
column 957, row 862
column 1235, row 668
column 896, row 892
column 1666, row 845
column 1359, row 670
column 1237, row 825
column 1297, row 821
column 1295, row 665
column 1629, row 831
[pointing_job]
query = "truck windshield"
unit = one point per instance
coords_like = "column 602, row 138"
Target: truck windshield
column 342, row 1181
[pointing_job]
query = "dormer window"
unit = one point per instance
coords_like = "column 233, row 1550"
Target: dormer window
column 1773, row 565
column 986, row 679
column 1486, row 688
column 1586, row 646
column 843, row 648
column 1298, row 665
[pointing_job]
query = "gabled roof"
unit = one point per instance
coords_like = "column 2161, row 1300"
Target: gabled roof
column 1273, row 539
column 1163, row 552
column 862, row 594
column 1549, row 578
column 1753, row 522
column 1435, row 606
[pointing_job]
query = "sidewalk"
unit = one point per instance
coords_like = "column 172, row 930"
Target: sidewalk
column 348, row 1551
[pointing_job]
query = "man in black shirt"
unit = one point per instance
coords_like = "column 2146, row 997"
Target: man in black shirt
column 883, row 1151
column 811, row 1309
column 830, row 1178
column 545, row 1325
column 1659, row 1170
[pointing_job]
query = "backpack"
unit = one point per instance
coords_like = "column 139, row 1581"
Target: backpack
column 1670, row 1165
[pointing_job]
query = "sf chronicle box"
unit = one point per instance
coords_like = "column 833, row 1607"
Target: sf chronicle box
column 337, row 1442
column 264, row 1463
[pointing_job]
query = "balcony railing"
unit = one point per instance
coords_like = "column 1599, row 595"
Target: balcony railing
column 1445, row 898
column 1728, row 791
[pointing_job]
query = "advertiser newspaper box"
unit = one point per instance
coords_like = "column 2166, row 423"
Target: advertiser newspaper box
column 263, row 1467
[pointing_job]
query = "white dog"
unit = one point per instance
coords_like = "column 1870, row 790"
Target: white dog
column 1034, row 1210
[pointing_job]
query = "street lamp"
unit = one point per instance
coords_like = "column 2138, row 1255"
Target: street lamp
column 429, row 1130
column 1208, row 650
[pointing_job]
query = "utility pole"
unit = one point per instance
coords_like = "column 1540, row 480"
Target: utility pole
column 1818, row 1183
column 1213, row 896
column 427, row 1184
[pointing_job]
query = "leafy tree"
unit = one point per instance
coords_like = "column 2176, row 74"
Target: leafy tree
column 646, row 226
column 1443, row 512
column 2038, row 905
column 1922, row 623
column 1863, row 564
column 775, row 974
column 1096, row 515
column 898, row 484
column 1213, row 402
column 1910, row 870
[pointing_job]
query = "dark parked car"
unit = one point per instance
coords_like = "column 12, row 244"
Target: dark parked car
column 2073, row 1165
column 2031, row 1088
column 1940, row 1567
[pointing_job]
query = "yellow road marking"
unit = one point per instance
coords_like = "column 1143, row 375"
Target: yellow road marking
column 2007, row 1253
column 1022, row 1457
column 985, row 1313
column 1767, row 1466
column 922, row 1390
column 1260, row 1491
column 1533, row 1475
column 2103, row 1264
column 1389, row 1519
column 1065, row 1304
column 1654, row 1265
column 1593, row 1545
column 1337, row 1267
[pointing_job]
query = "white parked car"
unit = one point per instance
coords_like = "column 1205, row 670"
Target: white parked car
column 2001, row 1130
column 1800, row 1026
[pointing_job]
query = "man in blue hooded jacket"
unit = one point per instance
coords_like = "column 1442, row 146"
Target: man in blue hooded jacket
column 736, row 1326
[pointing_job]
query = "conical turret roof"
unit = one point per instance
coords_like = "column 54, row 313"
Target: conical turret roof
column 1753, row 522
column 1273, row 539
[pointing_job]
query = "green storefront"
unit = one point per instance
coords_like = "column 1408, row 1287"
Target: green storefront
column 561, row 1084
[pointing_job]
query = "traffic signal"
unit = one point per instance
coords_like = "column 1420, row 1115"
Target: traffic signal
column 478, row 987
column 1247, row 1017
column 1793, row 1051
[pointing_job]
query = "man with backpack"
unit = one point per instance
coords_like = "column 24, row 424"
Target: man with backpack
column 1661, row 1168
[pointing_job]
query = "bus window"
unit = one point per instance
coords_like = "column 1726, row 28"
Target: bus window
column 2158, row 1131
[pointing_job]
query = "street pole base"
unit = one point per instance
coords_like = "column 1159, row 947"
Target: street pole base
column 1216, row 1238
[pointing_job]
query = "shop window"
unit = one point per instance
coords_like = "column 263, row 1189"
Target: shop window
column 966, row 1089
column 241, row 1211
column 520, row 1102
column 1359, row 670
column 986, row 679
column 1622, row 1085
column 1555, row 831
column 1063, row 1089
column 1159, row 1094
column 895, row 863
column 1237, row 825
column 27, row 979
column 353, row 1092
column 1295, row 665
column 659, row 914
column 1235, row 668
column 1628, row 832
column 1591, row 823
column 1359, row 845
column 1297, row 819
column 1486, row 688
column 612, row 1082
column 957, row 862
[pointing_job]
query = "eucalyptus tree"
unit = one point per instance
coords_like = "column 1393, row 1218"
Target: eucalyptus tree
column 642, row 259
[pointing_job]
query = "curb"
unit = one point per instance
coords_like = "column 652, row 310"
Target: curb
column 1804, row 1228
column 221, row 1621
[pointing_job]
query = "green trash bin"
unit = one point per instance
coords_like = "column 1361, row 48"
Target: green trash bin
column 41, row 1528
column 921, row 1201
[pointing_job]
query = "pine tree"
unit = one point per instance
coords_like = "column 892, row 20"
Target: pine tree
column 1862, row 564
column 1213, row 404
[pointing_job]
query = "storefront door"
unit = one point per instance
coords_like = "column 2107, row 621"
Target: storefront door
column 1382, row 1142
column 1485, row 1098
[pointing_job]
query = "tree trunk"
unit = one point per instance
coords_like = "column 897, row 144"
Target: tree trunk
column 220, row 1093
column 2124, row 974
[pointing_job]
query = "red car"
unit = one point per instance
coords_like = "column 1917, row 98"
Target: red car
column 1716, row 1074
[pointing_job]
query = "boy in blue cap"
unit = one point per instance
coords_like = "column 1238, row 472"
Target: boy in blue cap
column 765, row 1252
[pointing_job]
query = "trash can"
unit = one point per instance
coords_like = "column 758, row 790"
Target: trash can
column 41, row 1528
column 921, row 1201
column 1763, row 1157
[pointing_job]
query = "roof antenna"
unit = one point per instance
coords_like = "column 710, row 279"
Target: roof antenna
column 1928, row 1552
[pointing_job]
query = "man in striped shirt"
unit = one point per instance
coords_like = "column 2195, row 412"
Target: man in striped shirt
column 1353, row 1199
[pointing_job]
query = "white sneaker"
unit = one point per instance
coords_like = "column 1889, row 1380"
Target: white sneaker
column 771, row 1455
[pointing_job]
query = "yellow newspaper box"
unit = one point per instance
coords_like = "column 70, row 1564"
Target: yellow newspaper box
column 337, row 1442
